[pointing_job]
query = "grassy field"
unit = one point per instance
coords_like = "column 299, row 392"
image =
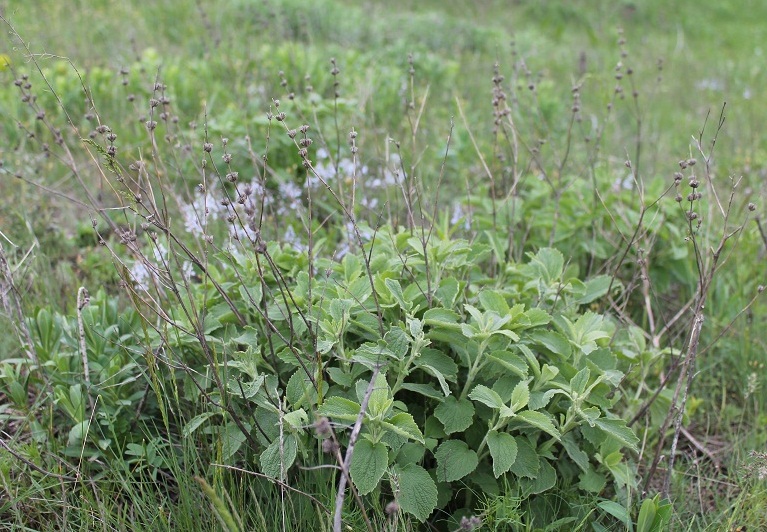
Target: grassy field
column 334, row 265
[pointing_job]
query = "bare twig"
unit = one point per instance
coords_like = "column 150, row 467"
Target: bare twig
column 350, row 452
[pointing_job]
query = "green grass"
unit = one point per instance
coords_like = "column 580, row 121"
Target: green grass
column 224, row 67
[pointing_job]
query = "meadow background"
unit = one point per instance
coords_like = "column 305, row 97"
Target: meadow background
column 219, row 219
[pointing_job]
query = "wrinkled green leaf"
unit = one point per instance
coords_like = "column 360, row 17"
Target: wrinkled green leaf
column 369, row 463
column 538, row 420
column 404, row 425
column 486, row 396
column 418, row 492
column 616, row 428
column 503, row 449
column 454, row 460
column 455, row 415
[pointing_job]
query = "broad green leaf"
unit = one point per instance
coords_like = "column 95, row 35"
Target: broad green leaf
column 486, row 396
column 617, row 429
column 447, row 292
column 592, row 481
column 548, row 263
column 595, row 288
column 537, row 317
column 454, row 460
column 78, row 433
column 520, row 396
column 410, row 453
column 195, row 423
column 618, row 511
column 539, row 400
column 369, row 463
column 503, row 449
column 352, row 267
column 544, row 480
column 300, row 390
column 441, row 317
column 577, row 455
column 232, row 439
column 397, row 342
column 380, row 398
column 396, row 291
column 538, row 420
column 418, row 493
column 404, row 425
column 250, row 336
column 274, row 460
column 438, row 361
column 553, row 341
column 359, row 290
column 339, row 309
column 579, row 382
column 297, row 419
column 455, row 415
column 492, row 300
column 646, row 516
column 527, row 463
column 510, row 362
column 339, row 408
column 424, row 389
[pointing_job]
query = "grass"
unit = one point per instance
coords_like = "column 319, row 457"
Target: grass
column 551, row 154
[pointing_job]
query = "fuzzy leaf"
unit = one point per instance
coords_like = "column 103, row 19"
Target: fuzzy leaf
column 503, row 449
column 595, row 288
column 520, row 396
column 418, row 492
column 271, row 458
column 526, row 463
column 404, row 425
column 510, row 362
column 486, row 396
column 232, row 439
column 553, row 341
column 454, row 460
column 339, row 408
column 195, row 423
column 548, row 263
column 369, row 463
column 539, row 420
column 396, row 291
column 544, row 480
column 617, row 429
column 494, row 301
column 455, row 415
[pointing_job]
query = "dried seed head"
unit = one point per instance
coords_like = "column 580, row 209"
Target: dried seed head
column 292, row 133
column 751, row 207
column 151, row 125
column 691, row 162
column 329, row 446
column 207, row 147
column 694, row 183
column 232, row 177
column 227, row 157
column 322, row 426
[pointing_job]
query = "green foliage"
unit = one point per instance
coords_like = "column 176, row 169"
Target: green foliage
column 478, row 319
